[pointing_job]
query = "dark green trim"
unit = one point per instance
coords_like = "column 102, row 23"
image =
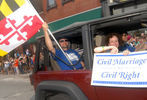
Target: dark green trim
column 86, row 16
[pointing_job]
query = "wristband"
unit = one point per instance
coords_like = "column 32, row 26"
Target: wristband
column 103, row 48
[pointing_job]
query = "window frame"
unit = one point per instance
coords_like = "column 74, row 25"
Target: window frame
column 51, row 6
column 66, row 1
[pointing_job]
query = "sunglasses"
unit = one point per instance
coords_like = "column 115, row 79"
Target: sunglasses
column 63, row 41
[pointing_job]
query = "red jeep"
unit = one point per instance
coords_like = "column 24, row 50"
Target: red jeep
column 51, row 83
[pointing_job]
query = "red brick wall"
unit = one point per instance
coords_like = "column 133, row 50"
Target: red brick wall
column 67, row 9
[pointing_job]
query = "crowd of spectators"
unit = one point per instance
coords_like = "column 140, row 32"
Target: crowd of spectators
column 18, row 64
column 138, row 42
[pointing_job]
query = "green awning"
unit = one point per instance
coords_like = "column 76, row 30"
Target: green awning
column 78, row 18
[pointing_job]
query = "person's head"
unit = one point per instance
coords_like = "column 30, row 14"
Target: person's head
column 64, row 43
column 113, row 40
column 129, row 37
column 125, row 37
column 141, row 39
column 142, row 34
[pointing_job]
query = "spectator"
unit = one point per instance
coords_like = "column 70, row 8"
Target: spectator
column 20, row 66
column 126, row 45
column 27, row 52
column 11, row 65
column 1, row 67
column 6, row 66
column 32, row 62
column 143, row 44
column 16, row 70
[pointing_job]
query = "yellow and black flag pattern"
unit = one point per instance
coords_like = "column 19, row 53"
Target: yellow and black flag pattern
column 7, row 7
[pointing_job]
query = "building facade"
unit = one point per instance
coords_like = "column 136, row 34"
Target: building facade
column 62, row 13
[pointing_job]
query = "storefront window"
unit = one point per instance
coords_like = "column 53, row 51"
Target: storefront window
column 51, row 4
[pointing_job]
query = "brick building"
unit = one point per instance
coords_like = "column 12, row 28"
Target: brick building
column 62, row 13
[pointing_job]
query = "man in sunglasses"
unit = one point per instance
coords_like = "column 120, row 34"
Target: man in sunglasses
column 64, row 43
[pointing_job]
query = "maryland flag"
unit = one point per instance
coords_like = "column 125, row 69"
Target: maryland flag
column 19, row 21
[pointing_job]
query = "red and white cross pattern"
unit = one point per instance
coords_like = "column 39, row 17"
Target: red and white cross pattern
column 18, row 27
column 24, row 31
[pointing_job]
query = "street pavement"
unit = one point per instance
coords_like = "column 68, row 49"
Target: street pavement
column 16, row 87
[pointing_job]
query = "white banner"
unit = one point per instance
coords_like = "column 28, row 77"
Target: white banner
column 119, row 70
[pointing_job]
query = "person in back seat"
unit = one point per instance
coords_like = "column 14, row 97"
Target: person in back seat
column 113, row 43
column 126, row 45
column 72, row 54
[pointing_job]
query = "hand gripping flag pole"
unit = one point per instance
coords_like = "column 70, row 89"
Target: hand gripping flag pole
column 50, row 33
